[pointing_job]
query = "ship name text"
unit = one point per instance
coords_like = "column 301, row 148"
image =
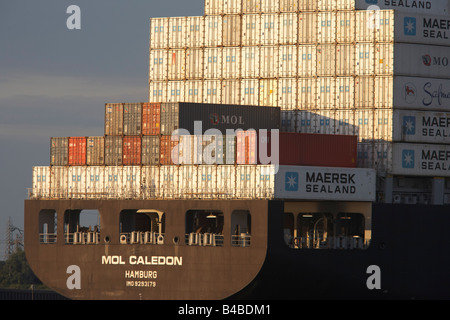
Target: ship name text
column 143, row 260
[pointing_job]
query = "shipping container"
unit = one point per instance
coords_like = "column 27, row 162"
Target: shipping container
column 326, row 93
column 175, row 91
column 131, row 182
column 288, row 120
column 195, row 27
column 132, row 118
column 307, row 61
column 168, row 181
column 213, row 31
column 176, row 64
column 288, row 25
column 288, row 5
column 177, row 32
column 188, row 150
column 157, row 91
column 326, row 29
column 151, row 118
column 231, row 25
column 95, row 151
column 270, row 6
column 307, row 89
column 364, row 92
column 114, row 182
column 158, row 64
column 213, row 63
column 150, row 150
column 364, row 124
column 409, row 6
column 168, row 150
column 131, row 150
column 59, row 151
column 207, row 181
column 159, row 33
column 250, row 92
column 188, row 181
column 194, row 63
column 268, row 92
column 326, row 60
column 77, row 151
column 345, row 60
column 287, row 93
column 193, row 91
column 269, row 29
column 231, row 62
column 345, row 26
column 245, row 181
column 287, row 66
column 212, row 91
column 150, row 182
column 216, row 149
column 231, row 6
column 269, row 62
column 95, row 182
column 365, row 22
column 251, row 6
column 230, row 92
column 265, row 181
column 307, row 26
column 383, row 125
column 246, row 147
column 77, row 182
column 41, row 182
column 250, row 62
column 345, row 92
column 214, row 7
column 226, row 181
column 113, row 150
column 59, row 180
column 364, row 59
column 114, row 119
column 295, row 182
column 307, row 5
column 251, row 29
column 345, row 122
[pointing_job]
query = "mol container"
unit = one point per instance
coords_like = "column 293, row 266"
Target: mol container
column 77, row 151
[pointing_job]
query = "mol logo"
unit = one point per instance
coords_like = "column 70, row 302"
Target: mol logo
column 409, row 125
column 291, row 181
column 410, row 92
column 408, row 159
column 410, row 26
column 434, row 61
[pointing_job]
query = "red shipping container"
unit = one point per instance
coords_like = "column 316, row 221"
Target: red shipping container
column 77, row 151
column 151, row 118
column 166, row 147
column 246, row 146
column 131, row 150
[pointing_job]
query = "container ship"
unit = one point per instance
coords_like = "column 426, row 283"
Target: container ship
column 289, row 149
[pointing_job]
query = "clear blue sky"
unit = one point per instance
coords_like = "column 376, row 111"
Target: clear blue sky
column 55, row 81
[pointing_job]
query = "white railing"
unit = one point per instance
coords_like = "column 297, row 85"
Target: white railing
column 204, row 239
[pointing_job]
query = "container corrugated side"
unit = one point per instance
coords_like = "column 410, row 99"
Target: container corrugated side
column 326, row 29
column 231, row 25
column 114, row 182
column 250, row 62
column 365, row 22
column 113, row 150
column 175, row 91
column 288, row 5
column 132, row 182
column 159, row 33
column 131, row 150
column 150, row 150
column 95, row 182
column 288, row 33
column 193, row 91
column 251, row 6
column 307, row 5
column 214, row 7
column 288, row 121
column 307, row 90
column 251, row 29
column 168, row 181
column 288, row 61
column 95, row 151
column 346, row 27
column 194, row 63
column 195, row 27
column 226, row 181
column 213, row 63
column 150, row 176
column 158, row 64
column 212, row 91
column 176, row 64
column 188, row 181
column 59, row 151
column 364, row 59
column 77, row 151
column 157, row 91
column 114, row 119
column 287, row 93
column 168, row 150
column 77, row 182
column 132, row 118
column 425, row 7
column 41, row 182
column 326, row 92
column 250, row 92
column 151, row 118
column 326, row 59
column 59, row 182
column 268, row 92
column 345, row 60
column 231, row 62
column 345, row 92
column 307, row 61
column 207, row 181
column 307, row 26
column 269, row 62
column 177, row 32
column 213, row 31
column 245, row 181
column 364, row 92
column 269, row 29
column 230, row 93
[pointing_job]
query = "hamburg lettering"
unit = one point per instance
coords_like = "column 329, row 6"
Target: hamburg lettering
column 409, row 4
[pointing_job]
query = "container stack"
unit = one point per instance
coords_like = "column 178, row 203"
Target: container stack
column 335, row 67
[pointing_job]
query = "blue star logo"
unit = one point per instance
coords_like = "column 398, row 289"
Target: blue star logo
column 409, row 125
column 410, row 26
column 291, row 181
column 408, row 159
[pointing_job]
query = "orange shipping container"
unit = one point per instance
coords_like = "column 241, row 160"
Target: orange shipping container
column 151, row 118
column 77, row 151
column 167, row 145
column 131, row 150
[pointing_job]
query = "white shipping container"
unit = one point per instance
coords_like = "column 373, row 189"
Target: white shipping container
column 287, row 59
column 288, row 5
column 306, row 121
column 77, row 182
column 382, row 155
column 177, row 32
column 159, row 33
column 250, row 92
column 384, row 31
column 251, row 6
column 364, row 92
column 383, row 91
column 213, row 63
column 175, row 91
column 421, row 159
column 188, row 178
column 345, row 60
column 345, row 92
column 270, row 6
column 307, row 26
column 307, row 89
column 194, row 63
column 323, row 122
column 326, row 92
column 157, row 91
column 364, row 59
column 345, row 27
column 59, row 182
column 307, row 5
column 287, row 93
column 326, row 28
column 364, row 124
column 150, row 181
column 213, row 31
column 207, row 181
column 410, row 6
column 231, row 62
column 250, row 62
column 158, row 64
column 269, row 29
column 231, row 25
column 41, row 182
column 326, row 60
column 230, row 91
column 245, row 181
column 265, row 181
column 365, row 155
column 268, row 92
column 177, row 64
column 114, row 182
column 327, row 5
column 211, row 91
column 131, row 182
column 288, row 120
column 168, row 182
column 365, row 22
column 269, row 62
column 214, row 7
column 226, row 181
column 307, row 61
column 345, row 122
column 95, row 182
column 288, row 28
column 383, row 125
column 193, row 91
column 311, row 183
column 195, row 29
column 251, row 29
column 231, row 6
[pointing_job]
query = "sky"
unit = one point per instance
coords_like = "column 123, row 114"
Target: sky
column 54, row 82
